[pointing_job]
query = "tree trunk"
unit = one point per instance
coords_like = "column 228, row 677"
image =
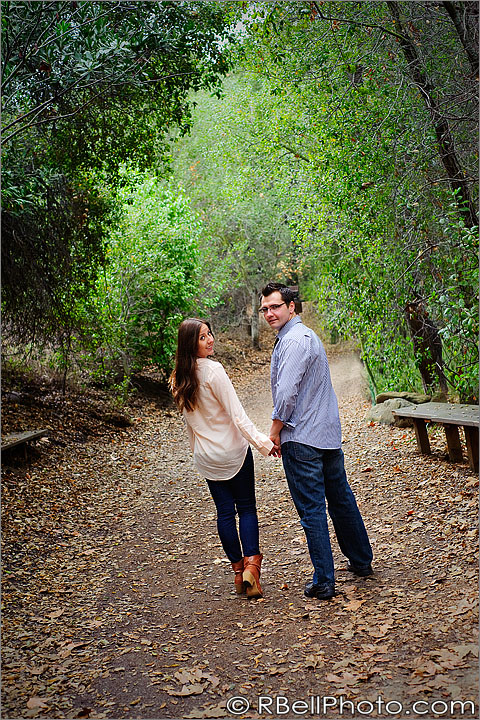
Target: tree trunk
column 427, row 345
column 446, row 145
column 254, row 321
column 464, row 16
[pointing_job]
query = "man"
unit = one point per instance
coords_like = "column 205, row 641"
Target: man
column 306, row 433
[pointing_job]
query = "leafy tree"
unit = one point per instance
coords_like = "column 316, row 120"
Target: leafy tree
column 375, row 191
column 60, row 58
column 51, row 251
column 150, row 279
column 425, row 81
column 242, row 197
column 86, row 85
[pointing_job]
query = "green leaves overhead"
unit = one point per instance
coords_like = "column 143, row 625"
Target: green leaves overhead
column 59, row 58
column 339, row 154
column 325, row 118
column 240, row 194
column 86, row 86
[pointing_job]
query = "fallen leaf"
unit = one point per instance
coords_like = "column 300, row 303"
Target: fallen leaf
column 354, row 604
column 37, row 702
column 37, row 670
column 464, row 650
column 186, row 690
column 331, row 678
column 67, row 649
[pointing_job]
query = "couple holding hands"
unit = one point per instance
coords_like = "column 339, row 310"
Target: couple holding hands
column 305, row 433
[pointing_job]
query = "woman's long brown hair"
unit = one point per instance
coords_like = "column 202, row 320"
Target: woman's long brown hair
column 184, row 380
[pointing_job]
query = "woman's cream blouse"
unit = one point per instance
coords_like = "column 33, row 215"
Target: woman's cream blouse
column 219, row 429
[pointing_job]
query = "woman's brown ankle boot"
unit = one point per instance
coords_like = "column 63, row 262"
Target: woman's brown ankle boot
column 238, row 570
column 251, row 575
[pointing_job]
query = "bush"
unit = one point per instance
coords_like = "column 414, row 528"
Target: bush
column 150, row 277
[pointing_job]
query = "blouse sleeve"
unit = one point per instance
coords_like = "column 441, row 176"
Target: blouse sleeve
column 224, row 391
column 191, row 436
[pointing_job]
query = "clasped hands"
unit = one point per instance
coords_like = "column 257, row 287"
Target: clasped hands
column 276, row 451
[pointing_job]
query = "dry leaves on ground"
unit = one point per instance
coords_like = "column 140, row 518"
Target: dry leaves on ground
column 118, row 601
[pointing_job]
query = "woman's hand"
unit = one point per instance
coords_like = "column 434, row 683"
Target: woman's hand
column 276, row 451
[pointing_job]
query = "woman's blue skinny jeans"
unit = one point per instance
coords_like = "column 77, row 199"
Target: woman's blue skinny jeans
column 233, row 496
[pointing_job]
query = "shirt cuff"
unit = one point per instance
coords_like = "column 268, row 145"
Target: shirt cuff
column 265, row 447
column 259, row 441
column 287, row 423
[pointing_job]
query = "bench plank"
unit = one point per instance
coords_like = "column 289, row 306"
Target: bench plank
column 15, row 439
column 451, row 416
column 451, row 413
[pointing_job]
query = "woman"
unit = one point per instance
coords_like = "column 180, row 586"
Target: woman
column 220, row 432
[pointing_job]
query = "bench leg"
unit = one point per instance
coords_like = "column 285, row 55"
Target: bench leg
column 471, row 438
column 423, row 443
column 453, row 443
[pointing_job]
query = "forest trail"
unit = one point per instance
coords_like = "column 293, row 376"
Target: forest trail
column 121, row 603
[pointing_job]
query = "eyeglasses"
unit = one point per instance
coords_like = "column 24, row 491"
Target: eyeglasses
column 273, row 308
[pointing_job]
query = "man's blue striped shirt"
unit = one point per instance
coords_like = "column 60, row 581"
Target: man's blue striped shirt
column 303, row 396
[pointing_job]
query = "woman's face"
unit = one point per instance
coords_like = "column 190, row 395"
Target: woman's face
column 205, row 342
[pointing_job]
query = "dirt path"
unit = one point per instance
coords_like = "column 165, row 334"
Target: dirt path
column 124, row 607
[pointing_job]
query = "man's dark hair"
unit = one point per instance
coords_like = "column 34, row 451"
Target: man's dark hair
column 288, row 295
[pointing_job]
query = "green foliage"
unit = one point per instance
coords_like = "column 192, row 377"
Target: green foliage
column 60, row 59
column 52, row 246
column 341, row 156
column 456, row 303
column 150, row 278
column 85, row 85
column 242, row 197
column 369, row 182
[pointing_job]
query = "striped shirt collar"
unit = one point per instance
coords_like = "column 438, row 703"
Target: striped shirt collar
column 288, row 326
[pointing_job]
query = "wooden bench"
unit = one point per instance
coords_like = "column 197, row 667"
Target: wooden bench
column 16, row 439
column 451, row 416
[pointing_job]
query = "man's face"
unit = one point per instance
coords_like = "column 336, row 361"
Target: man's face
column 278, row 313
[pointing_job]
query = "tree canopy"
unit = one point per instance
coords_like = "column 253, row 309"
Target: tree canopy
column 357, row 121
column 338, row 153
column 86, row 86
column 62, row 59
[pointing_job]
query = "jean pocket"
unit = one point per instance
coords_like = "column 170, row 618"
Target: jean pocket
column 305, row 452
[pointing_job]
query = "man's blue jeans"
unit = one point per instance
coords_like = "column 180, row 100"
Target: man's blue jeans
column 313, row 475
column 232, row 496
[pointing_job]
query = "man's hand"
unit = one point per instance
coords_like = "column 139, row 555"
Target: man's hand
column 277, row 425
column 276, row 451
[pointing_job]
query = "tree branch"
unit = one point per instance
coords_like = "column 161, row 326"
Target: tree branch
column 444, row 136
column 356, row 22
column 294, row 152
column 25, row 56
column 113, row 83
column 469, row 42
